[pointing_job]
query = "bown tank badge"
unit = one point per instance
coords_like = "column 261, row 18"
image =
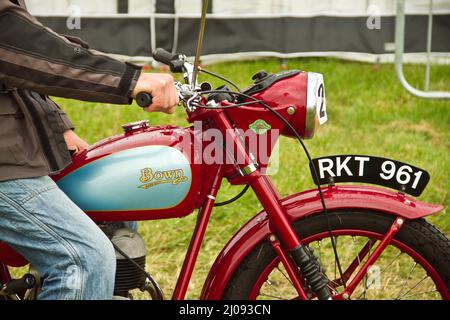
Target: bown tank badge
column 150, row 178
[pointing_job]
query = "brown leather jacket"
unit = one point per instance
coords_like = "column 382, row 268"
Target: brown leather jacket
column 36, row 62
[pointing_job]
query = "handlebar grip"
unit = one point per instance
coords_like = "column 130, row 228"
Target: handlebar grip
column 16, row 286
column 143, row 99
column 163, row 56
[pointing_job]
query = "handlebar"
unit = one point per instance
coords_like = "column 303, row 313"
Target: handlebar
column 143, row 99
column 177, row 63
column 185, row 93
column 163, row 56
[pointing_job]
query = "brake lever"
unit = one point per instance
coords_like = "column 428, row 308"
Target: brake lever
column 192, row 99
column 187, row 95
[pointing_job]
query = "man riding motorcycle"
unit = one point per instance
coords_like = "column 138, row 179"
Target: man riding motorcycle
column 74, row 257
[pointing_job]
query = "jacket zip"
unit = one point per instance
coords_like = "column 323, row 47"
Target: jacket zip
column 42, row 135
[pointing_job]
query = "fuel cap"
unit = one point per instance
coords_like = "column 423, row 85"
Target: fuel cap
column 133, row 126
column 260, row 75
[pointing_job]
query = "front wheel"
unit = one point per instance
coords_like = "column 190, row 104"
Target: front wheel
column 416, row 264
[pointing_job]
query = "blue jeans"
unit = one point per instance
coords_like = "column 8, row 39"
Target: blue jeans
column 74, row 257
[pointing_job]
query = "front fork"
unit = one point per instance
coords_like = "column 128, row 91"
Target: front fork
column 299, row 253
column 299, row 256
column 292, row 253
column 269, row 199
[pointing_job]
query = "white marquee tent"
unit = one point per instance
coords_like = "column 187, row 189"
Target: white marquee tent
column 303, row 7
column 240, row 29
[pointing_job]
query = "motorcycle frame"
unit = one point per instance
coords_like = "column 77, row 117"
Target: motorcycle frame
column 275, row 222
column 278, row 222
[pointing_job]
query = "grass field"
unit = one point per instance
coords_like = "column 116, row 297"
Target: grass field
column 369, row 113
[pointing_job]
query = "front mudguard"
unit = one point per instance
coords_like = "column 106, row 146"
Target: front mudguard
column 301, row 205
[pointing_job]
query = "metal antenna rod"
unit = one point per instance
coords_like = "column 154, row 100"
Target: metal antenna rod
column 199, row 42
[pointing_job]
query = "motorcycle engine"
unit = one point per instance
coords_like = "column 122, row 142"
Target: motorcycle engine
column 128, row 274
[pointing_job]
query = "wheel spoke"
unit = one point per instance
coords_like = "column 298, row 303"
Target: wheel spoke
column 365, row 276
column 406, row 281
column 385, row 268
column 335, row 262
column 354, row 247
column 357, row 261
column 391, row 263
column 284, row 275
column 333, row 286
column 319, row 244
column 271, row 296
column 420, row 293
column 415, row 286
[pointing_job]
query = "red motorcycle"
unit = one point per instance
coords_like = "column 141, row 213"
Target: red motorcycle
column 332, row 242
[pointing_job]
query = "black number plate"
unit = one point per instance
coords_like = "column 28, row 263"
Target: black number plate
column 367, row 169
